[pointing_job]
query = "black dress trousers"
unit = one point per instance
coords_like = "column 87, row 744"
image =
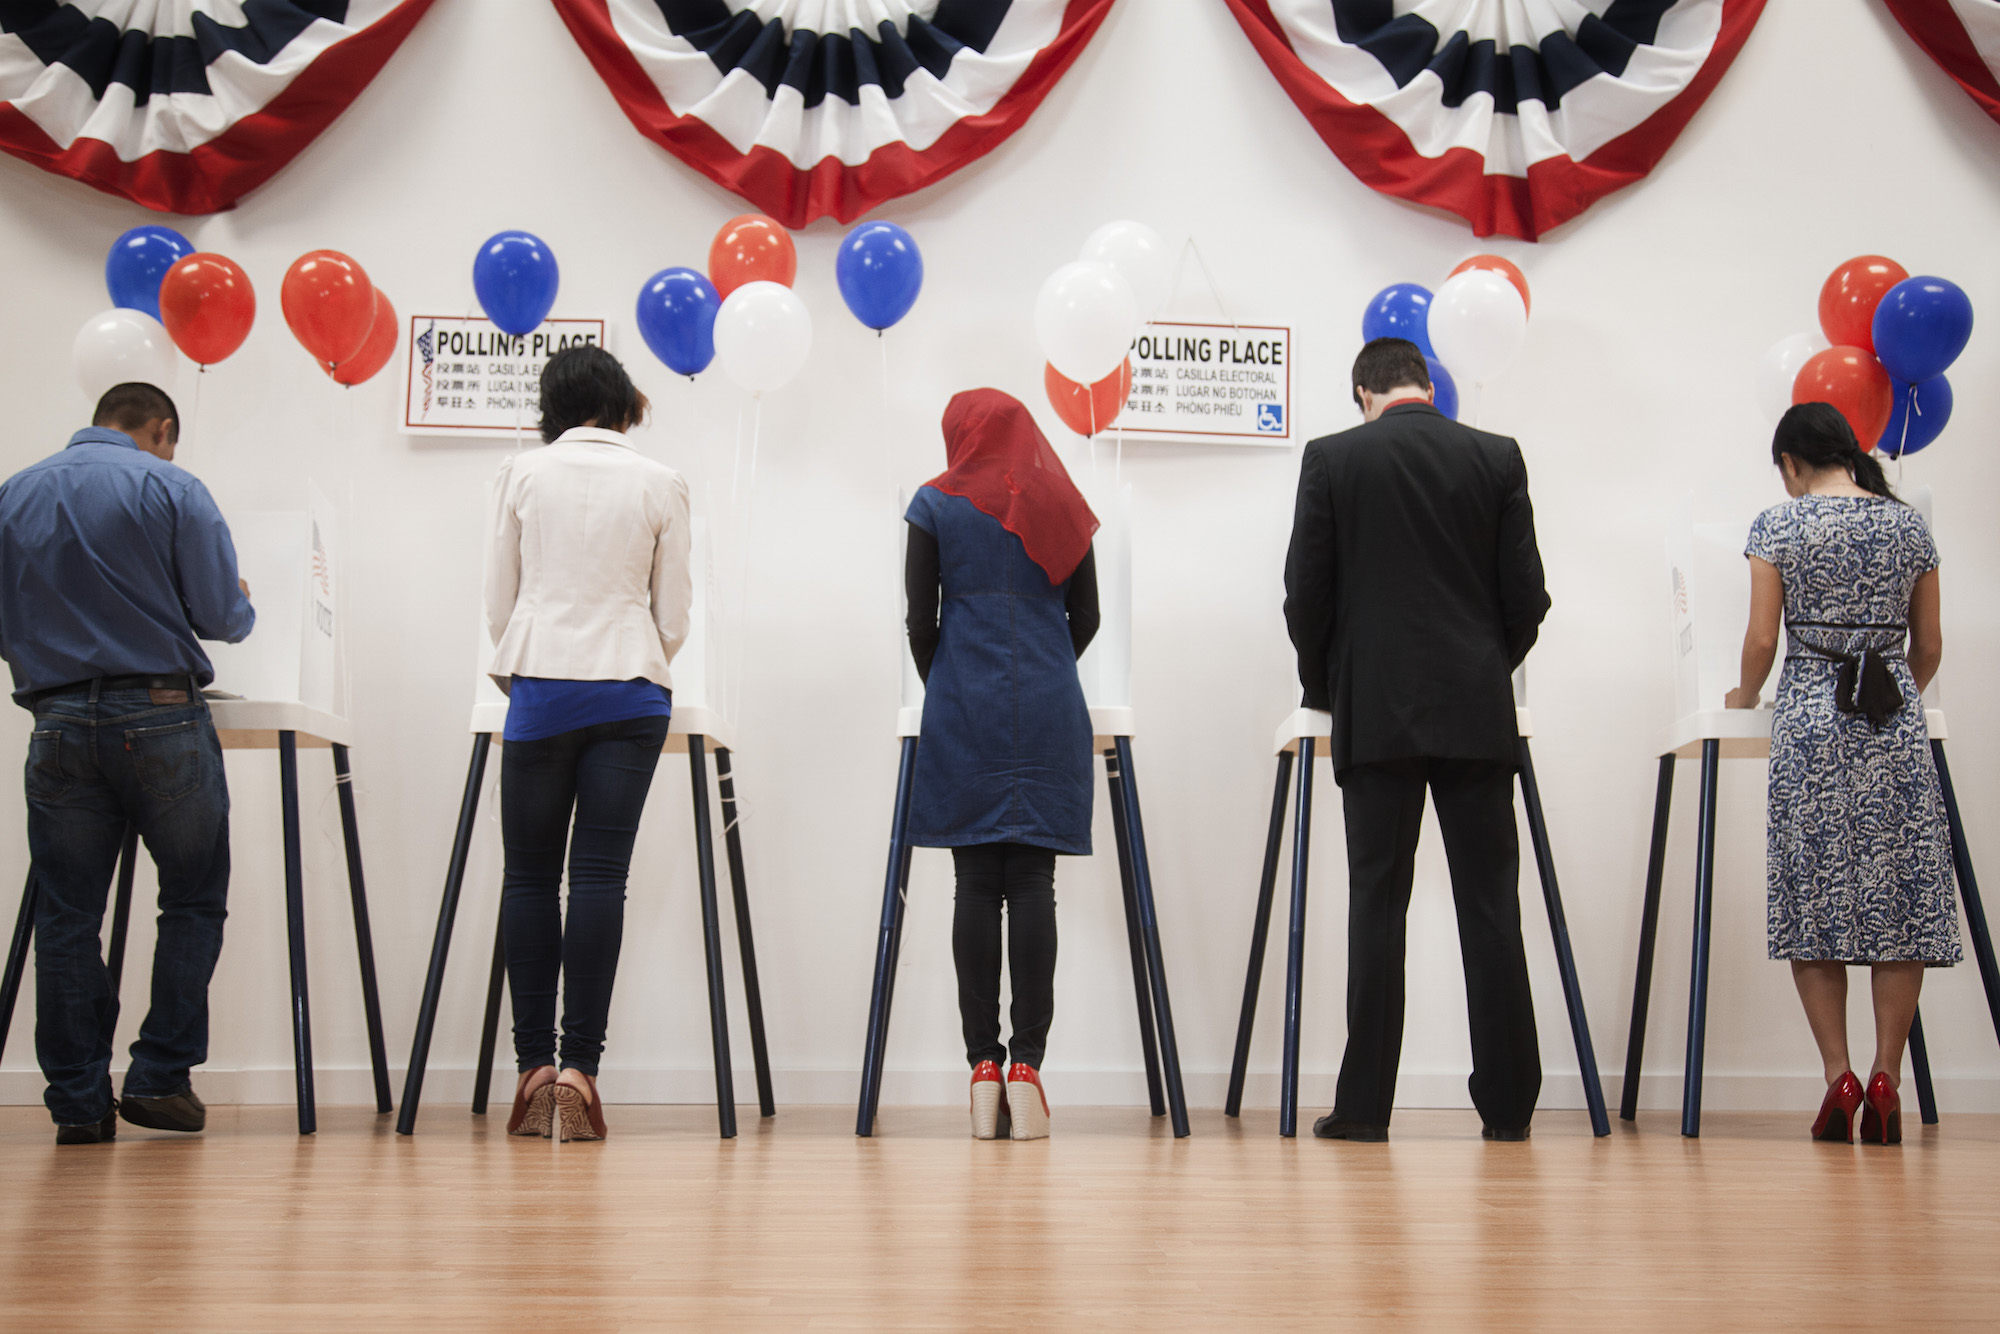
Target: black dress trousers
column 1384, row 808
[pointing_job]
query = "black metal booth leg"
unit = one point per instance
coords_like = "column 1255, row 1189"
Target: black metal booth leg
column 1704, row 904
column 17, row 957
column 888, row 934
column 454, row 880
column 489, row 1028
column 1135, row 941
column 1295, row 943
column 364, row 936
column 1649, row 930
column 295, row 930
column 746, row 945
column 1920, row 1062
column 1579, row 1024
column 711, row 931
column 1968, row 887
column 1149, row 924
column 121, row 907
column 1260, row 931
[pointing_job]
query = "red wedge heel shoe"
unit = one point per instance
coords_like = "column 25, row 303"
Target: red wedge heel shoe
column 989, row 1102
column 1882, row 1116
column 1836, row 1114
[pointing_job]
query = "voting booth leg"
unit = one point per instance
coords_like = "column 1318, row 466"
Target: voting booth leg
column 1295, row 944
column 1968, row 888
column 1260, row 931
column 1579, row 1024
column 1149, row 924
column 121, row 907
column 1920, row 1064
column 1649, row 930
column 364, row 937
column 711, row 934
column 454, row 878
column 746, row 946
column 17, row 957
column 1134, row 938
column 885, row 943
column 295, row 930
column 489, row 1030
column 1704, row 903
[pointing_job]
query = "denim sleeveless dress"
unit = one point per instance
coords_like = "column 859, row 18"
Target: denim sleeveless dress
column 1004, row 755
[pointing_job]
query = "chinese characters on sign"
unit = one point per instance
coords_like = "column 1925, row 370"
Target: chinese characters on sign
column 1213, row 382
column 465, row 377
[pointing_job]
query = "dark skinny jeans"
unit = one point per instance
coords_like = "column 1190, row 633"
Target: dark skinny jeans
column 1024, row 879
column 600, row 774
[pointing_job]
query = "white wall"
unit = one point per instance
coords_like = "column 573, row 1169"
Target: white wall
column 1832, row 136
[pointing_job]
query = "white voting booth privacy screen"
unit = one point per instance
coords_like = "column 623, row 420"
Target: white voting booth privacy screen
column 287, row 557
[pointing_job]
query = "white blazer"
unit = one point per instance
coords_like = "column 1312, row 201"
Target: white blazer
column 588, row 579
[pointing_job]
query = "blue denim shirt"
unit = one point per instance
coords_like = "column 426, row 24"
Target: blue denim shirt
column 112, row 563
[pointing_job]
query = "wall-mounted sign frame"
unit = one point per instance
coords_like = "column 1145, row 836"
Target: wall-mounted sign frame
column 464, row 377
column 1213, row 383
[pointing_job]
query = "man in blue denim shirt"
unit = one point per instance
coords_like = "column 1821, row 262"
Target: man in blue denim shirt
column 112, row 563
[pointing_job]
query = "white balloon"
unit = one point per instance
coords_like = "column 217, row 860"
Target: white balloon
column 1781, row 366
column 123, row 347
column 1477, row 324
column 1138, row 252
column 1085, row 320
column 763, row 334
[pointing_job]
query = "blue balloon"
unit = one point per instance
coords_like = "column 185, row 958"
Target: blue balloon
column 880, row 272
column 1918, row 417
column 1444, row 393
column 677, row 319
column 1920, row 328
column 1401, row 311
column 137, row 262
column 515, row 278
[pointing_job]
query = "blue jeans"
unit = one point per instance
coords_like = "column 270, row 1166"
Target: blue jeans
column 97, row 763
column 600, row 774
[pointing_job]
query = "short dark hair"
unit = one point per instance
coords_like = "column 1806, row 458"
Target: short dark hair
column 1818, row 436
column 585, row 383
column 1388, row 363
column 129, row 407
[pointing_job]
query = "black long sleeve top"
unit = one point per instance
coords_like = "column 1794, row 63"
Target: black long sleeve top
column 921, row 588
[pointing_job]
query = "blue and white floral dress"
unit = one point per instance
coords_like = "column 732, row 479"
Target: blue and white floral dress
column 1859, row 853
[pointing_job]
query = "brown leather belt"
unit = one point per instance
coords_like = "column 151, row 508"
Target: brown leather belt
column 104, row 683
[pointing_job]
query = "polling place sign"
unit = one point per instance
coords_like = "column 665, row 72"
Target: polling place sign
column 1220, row 383
column 463, row 376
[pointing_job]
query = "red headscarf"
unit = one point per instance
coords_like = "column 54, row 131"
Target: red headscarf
column 1003, row 464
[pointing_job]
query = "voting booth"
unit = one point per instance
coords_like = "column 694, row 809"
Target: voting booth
column 703, row 680
column 1709, row 590
column 1105, row 672
column 280, row 689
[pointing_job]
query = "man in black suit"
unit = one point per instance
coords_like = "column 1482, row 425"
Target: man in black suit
column 1412, row 590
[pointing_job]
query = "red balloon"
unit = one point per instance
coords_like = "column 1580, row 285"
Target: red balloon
column 1088, row 409
column 1855, row 383
column 751, row 249
column 1506, row 269
column 208, row 306
column 330, row 305
column 1849, row 296
column 376, row 349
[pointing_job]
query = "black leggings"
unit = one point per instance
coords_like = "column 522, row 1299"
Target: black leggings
column 1024, row 878
column 601, row 775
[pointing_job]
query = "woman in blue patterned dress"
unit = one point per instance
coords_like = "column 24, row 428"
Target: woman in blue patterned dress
column 1859, row 852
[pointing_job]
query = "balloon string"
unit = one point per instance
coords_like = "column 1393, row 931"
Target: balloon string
column 736, row 460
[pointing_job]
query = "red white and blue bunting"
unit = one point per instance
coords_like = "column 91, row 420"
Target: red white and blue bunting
column 184, row 105
column 826, row 108
column 1963, row 36
column 1514, row 114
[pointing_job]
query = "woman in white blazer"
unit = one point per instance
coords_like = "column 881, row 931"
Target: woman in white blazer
column 587, row 597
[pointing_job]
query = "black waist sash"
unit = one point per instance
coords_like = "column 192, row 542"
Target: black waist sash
column 1862, row 682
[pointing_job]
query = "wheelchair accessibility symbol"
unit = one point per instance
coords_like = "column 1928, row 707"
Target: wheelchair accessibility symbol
column 1271, row 417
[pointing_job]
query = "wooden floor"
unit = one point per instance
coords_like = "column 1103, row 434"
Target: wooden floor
column 1112, row 1224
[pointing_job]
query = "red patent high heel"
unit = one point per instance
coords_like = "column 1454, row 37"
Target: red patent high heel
column 1836, row 1114
column 1882, row 1117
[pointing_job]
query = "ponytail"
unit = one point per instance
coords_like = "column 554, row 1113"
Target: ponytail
column 1818, row 436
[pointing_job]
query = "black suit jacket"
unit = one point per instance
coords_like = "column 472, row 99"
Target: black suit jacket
column 1414, row 587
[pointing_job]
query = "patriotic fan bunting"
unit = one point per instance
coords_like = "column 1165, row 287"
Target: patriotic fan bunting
column 1963, row 36
column 817, row 108
column 1514, row 114
column 184, row 105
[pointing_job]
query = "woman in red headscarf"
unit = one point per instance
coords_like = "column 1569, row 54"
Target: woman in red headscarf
column 1004, row 766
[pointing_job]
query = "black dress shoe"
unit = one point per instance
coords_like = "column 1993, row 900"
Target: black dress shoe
column 1331, row 1126
column 97, row 1132
column 1503, row 1134
column 183, row 1112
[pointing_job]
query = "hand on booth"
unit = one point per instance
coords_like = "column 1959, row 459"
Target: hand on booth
column 1741, row 698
